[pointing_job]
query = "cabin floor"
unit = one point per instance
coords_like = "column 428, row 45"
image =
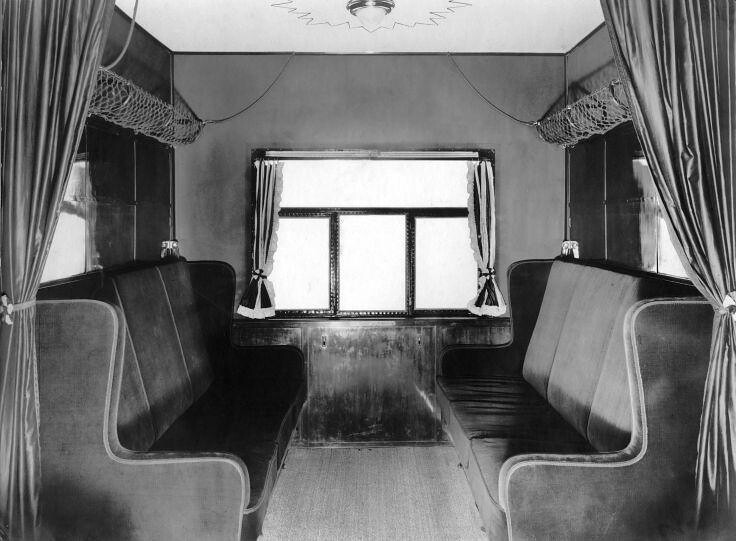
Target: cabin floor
column 372, row 493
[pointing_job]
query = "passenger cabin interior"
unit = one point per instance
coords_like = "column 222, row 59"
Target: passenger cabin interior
column 367, row 270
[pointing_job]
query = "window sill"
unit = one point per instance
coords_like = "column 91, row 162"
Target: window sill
column 296, row 321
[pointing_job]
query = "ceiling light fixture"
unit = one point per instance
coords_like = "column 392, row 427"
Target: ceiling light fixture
column 370, row 13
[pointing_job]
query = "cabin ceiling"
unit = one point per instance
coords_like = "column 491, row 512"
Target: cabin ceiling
column 325, row 26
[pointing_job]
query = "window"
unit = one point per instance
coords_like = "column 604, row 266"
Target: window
column 363, row 237
column 67, row 254
column 665, row 257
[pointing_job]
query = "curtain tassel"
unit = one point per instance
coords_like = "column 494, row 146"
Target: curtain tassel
column 728, row 305
column 487, row 295
column 257, row 285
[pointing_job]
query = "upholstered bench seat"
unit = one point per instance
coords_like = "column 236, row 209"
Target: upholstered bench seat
column 186, row 394
column 500, row 407
column 551, row 428
column 231, row 420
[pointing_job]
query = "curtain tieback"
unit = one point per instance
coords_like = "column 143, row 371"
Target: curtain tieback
column 7, row 308
column 729, row 305
column 489, row 272
column 258, row 273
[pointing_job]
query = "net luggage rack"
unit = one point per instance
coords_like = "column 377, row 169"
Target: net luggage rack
column 596, row 113
column 125, row 104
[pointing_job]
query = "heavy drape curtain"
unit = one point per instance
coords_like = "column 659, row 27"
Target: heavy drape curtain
column 677, row 60
column 482, row 222
column 50, row 55
column 258, row 300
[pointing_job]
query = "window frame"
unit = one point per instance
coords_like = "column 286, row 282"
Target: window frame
column 334, row 213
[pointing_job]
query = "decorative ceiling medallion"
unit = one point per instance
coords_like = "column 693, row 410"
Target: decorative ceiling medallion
column 405, row 13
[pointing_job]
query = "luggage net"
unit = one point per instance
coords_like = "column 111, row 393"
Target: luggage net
column 125, row 104
column 595, row 113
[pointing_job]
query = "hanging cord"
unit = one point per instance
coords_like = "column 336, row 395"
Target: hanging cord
column 512, row 117
column 127, row 40
column 251, row 104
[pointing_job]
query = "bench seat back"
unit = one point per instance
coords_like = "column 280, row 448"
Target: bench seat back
column 167, row 365
column 576, row 357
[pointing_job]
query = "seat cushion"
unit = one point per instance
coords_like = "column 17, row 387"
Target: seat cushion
column 498, row 407
column 235, row 423
column 489, row 454
column 513, row 389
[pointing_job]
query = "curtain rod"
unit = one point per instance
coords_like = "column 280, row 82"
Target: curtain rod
column 372, row 154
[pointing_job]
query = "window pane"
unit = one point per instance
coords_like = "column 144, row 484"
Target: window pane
column 446, row 272
column 67, row 254
column 372, row 263
column 668, row 262
column 374, row 183
column 301, row 266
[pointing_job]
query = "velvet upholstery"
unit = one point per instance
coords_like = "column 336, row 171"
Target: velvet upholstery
column 646, row 490
column 185, row 389
column 577, row 398
column 93, row 488
column 156, row 349
column 588, row 326
column 178, row 288
column 526, row 281
column 556, row 299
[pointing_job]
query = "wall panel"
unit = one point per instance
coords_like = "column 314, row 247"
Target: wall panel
column 127, row 200
column 384, row 102
column 587, row 198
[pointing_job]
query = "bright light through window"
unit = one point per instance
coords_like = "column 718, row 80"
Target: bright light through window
column 375, row 183
column 446, row 272
column 67, row 255
column 302, row 264
column 372, row 263
column 350, row 225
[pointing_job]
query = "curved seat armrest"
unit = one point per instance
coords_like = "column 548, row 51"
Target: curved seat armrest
column 171, row 495
column 646, row 490
column 93, row 488
column 587, row 496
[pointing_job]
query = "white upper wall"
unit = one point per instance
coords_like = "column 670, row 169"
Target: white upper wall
column 470, row 26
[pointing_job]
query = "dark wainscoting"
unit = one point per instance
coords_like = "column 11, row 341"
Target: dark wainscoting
column 614, row 208
column 371, row 381
column 127, row 202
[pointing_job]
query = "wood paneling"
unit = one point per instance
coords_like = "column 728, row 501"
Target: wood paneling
column 455, row 334
column 129, row 211
column 111, row 163
column 152, row 171
column 146, row 62
column 111, row 208
column 386, row 102
column 267, row 336
column 587, row 197
column 370, row 384
column 373, row 381
column 152, row 225
column 614, row 209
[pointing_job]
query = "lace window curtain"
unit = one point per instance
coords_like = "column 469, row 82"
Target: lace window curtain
column 258, row 300
column 482, row 221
